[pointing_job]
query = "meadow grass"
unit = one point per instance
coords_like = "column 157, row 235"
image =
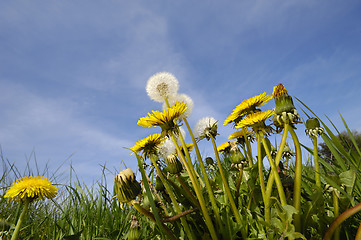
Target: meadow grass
column 234, row 197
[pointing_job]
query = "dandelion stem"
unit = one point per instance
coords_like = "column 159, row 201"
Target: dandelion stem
column 163, row 229
column 261, row 181
column 279, row 185
column 298, row 179
column 336, row 213
column 225, row 183
column 248, row 145
column 277, row 161
column 340, row 219
column 197, row 189
column 205, row 176
column 317, row 166
column 21, row 219
column 238, row 184
column 172, row 197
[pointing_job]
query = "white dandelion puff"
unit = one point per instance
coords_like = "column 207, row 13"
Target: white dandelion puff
column 205, row 128
column 162, row 85
column 166, row 148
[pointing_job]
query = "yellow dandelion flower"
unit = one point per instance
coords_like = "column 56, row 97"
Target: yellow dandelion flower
column 246, row 107
column 164, row 119
column 240, row 134
column 252, row 120
column 148, row 145
column 225, row 147
column 31, row 188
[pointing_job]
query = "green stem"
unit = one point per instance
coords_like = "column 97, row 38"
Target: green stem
column 248, row 145
column 340, row 219
column 21, row 219
column 336, row 212
column 148, row 214
column 225, row 183
column 187, row 191
column 277, row 161
column 163, row 229
column 142, row 210
column 197, row 189
column 205, row 177
column 297, row 180
column 279, row 185
column 261, row 181
column 172, row 197
column 238, row 184
column 317, row 166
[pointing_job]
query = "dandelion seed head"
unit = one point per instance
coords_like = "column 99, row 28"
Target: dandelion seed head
column 162, row 85
column 205, row 127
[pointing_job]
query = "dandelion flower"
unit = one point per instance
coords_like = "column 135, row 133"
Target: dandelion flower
column 31, row 188
column 246, row 107
column 239, row 135
column 255, row 120
column 148, row 145
column 161, row 86
column 164, row 119
column 224, row 147
column 205, row 128
column 181, row 98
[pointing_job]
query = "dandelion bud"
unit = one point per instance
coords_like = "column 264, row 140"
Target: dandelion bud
column 236, row 154
column 159, row 184
column 209, row 161
column 313, row 127
column 287, row 152
column 126, row 186
column 285, row 111
column 134, row 230
column 174, row 166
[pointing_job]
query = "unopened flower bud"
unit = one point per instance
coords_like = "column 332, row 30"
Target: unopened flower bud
column 313, row 127
column 134, row 230
column 236, row 155
column 287, row 152
column 285, row 111
column 174, row 166
column 126, row 186
column 159, row 184
column 209, row 161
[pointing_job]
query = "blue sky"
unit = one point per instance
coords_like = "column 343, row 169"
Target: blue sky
column 73, row 73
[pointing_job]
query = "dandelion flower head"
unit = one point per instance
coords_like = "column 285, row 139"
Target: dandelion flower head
column 247, row 106
column 181, row 98
column 225, row 147
column 31, row 188
column 162, row 85
column 148, row 145
column 252, row 120
column 164, row 119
